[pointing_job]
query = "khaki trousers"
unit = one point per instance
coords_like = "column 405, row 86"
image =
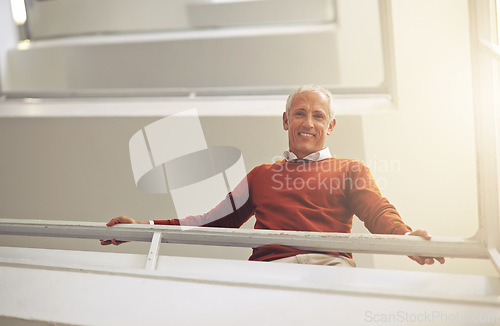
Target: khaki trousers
column 318, row 259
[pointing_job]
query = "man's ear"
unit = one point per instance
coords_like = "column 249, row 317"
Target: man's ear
column 285, row 121
column 331, row 126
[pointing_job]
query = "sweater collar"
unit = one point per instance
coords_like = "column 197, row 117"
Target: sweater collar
column 313, row 157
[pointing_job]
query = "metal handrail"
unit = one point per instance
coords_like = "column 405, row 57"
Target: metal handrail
column 314, row 241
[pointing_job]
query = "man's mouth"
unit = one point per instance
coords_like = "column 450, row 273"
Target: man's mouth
column 305, row 134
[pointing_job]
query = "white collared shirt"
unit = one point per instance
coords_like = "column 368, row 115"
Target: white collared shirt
column 315, row 157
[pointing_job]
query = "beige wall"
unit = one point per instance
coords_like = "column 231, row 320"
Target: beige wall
column 79, row 169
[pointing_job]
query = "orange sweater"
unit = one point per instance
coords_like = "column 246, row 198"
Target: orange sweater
column 316, row 196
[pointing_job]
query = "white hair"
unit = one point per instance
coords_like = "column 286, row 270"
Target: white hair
column 311, row 88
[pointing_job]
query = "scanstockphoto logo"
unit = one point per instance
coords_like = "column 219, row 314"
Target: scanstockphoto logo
column 378, row 165
column 375, row 164
column 434, row 317
column 171, row 156
column 322, row 177
column 379, row 168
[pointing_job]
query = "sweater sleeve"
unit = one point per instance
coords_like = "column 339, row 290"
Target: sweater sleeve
column 232, row 212
column 367, row 203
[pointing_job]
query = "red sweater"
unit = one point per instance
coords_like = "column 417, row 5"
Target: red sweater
column 316, row 196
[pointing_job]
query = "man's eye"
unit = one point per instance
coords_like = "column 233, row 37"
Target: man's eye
column 299, row 113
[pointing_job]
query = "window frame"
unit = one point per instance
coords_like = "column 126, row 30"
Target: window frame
column 485, row 55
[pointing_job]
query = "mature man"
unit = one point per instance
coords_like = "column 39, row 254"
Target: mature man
column 307, row 191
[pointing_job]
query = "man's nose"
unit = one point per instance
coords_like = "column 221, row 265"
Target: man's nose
column 308, row 122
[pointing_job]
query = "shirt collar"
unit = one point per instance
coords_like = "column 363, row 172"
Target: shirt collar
column 314, row 157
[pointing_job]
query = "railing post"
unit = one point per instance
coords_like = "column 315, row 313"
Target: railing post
column 154, row 250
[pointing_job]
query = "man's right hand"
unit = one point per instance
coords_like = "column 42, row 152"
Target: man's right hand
column 119, row 220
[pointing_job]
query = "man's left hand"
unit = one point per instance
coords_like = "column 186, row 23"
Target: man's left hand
column 422, row 260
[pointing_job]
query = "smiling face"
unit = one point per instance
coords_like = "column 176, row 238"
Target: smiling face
column 308, row 123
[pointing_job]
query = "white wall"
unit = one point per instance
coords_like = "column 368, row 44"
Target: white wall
column 431, row 134
column 79, row 286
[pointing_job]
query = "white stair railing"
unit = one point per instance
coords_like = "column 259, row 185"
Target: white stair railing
column 315, row 241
